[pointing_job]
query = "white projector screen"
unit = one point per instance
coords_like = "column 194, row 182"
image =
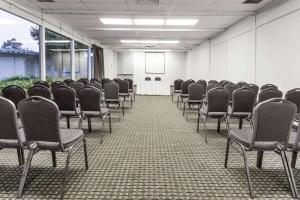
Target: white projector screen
column 155, row 62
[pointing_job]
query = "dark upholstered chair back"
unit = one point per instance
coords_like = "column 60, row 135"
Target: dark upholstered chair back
column 14, row 93
column 252, row 87
column 95, row 80
column 68, row 81
column 40, row 119
column 272, row 121
column 196, row 92
column 217, row 100
column 89, row 98
column 96, row 85
column 65, row 98
column 111, row 91
column 211, row 86
column 39, row 90
column 177, row 84
column 294, row 97
column 147, row 78
column 267, row 86
column 270, row 93
column 231, row 88
column 43, row 83
column 243, row 100
column 130, row 82
column 76, row 85
column 105, row 80
column 85, row 81
column 185, row 87
column 213, row 82
column 8, row 126
column 157, row 78
column 123, row 87
column 241, row 84
column 57, row 83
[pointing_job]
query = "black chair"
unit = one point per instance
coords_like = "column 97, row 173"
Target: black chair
column 243, row 101
column 65, row 98
column 231, row 88
column 294, row 97
column 39, row 90
column 89, row 98
column 157, row 78
column 269, row 93
column 184, row 91
column 104, row 81
column 57, row 83
column 252, row 87
column 268, row 86
column 217, row 107
column 202, row 82
column 195, row 96
column 85, row 81
column 95, row 80
column 111, row 96
column 242, row 84
column 43, row 83
column 46, row 135
column 76, row 85
column 68, row 81
column 131, row 90
column 124, row 91
column 10, row 135
column 270, row 132
column 14, row 93
column 147, row 78
column 213, row 82
column 177, row 87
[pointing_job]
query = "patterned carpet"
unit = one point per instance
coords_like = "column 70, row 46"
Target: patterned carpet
column 152, row 153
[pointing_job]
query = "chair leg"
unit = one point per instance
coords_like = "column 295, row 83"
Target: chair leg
column 123, row 109
column 24, row 174
column 198, row 121
column 131, row 101
column 109, row 121
column 227, row 152
column 183, row 109
column 53, row 153
column 247, row 172
column 177, row 100
column 219, row 125
column 172, row 95
column 289, row 174
column 259, row 160
column 294, row 159
column 205, row 135
column 68, row 121
column 20, row 154
column 241, row 123
column 89, row 124
column 85, row 154
column 62, row 192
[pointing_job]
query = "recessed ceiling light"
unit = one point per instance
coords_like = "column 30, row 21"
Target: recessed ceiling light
column 7, row 21
column 150, row 22
column 181, row 22
column 149, row 41
column 116, row 21
column 169, row 42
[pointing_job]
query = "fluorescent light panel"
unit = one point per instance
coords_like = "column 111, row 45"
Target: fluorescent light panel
column 116, row 21
column 153, row 22
column 181, row 22
column 150, row 41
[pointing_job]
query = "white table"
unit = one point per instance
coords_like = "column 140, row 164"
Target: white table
column 153, row 87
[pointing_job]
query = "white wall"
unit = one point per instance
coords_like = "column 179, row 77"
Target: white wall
column 110, row 64
column 259, row 49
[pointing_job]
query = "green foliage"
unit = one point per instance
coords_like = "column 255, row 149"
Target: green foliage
column 22, row 81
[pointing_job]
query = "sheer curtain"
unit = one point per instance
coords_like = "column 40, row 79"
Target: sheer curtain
column 98, row 62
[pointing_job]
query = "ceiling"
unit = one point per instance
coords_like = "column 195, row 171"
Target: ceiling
column 214, row 17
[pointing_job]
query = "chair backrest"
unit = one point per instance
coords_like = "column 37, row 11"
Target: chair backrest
column 40, row 119
column 130, row 81
column 147, row 78
column 65, row 98
column 185, row 87
column 8, row 122
column 76, row 85
column 294, row 97
column 57, row 83
column 43, row 83
column 177, row 84
column 202, row 82
column 272, row 120
column 95, row 80
column 157, row 78
column 243, row 100
column 213, row 82
column 39, row 90
column 123, row 86
column 68, row 81
column 85, row 81
column 217, row 100
column 252, row 87
column 96, row 85
column 89, row 98
column 225, row 82
column 231, row 88
column 241, row 84
column 267, row 86
column 111, row 91
column 211, row 86
column 117, row 80
column 105, row 80
column 270, row 93
column 14, row 93
column 196, row 92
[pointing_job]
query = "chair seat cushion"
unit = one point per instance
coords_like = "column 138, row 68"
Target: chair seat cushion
column 244, row 136
column 130, row 90
column 104, row 111
column 124, row 94
column 203, row 111
column 70, row 112
column 11, row 143
column 238, row 114
column 177, row 91
column 292, row 141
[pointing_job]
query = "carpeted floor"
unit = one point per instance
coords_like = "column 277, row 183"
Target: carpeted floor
column 152, row 153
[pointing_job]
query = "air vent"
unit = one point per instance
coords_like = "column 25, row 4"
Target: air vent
column 147, row 2
column 252, row 1
column 45, row 1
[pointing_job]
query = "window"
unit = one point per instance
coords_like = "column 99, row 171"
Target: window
column 81, row 60
column 19, row 47
column 58, row 56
